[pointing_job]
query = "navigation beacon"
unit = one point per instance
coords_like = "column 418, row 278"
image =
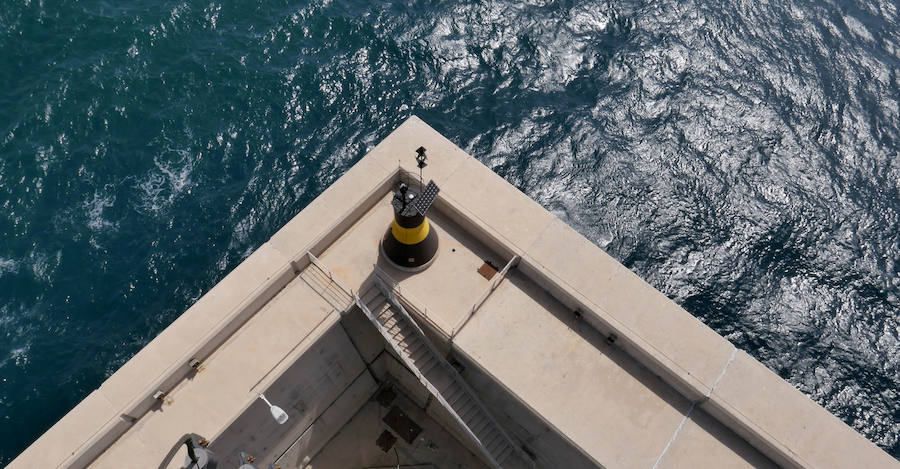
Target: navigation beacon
column 409, row 243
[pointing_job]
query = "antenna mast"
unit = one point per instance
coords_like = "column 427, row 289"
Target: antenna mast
column 420, row 159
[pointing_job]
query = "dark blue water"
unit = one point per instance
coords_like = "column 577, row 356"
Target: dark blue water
column 741, row 156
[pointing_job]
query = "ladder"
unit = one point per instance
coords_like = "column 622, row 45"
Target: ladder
column 409, row 342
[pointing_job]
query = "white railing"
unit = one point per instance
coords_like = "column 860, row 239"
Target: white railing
column 495, row 282
column 415, row 370
column 412, row 302
column 385, row 290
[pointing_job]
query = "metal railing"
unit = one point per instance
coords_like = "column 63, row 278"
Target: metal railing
column 413, row 303
column 495, row 282
column 385, row 290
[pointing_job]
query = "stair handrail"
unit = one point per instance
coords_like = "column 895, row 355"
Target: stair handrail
column 495, row 282
column 421, row 377
column 394, row 286
column 457, row 377
column 325, row 270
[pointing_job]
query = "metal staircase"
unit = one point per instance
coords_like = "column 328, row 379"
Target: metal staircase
column 403, row 334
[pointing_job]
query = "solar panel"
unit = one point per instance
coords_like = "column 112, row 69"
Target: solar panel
column 424, row 201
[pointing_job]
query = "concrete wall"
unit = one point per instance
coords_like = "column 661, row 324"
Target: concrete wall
column 320, row 391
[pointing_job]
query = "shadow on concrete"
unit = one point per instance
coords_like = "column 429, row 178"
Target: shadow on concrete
column 647, row 378
column 308, row 387
column 730, row 439
column 598, row 340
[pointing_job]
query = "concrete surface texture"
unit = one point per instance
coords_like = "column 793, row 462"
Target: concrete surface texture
column 583, row 362
column 354, row 446
column 605, row 402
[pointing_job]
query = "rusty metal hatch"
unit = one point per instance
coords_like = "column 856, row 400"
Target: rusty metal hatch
column 386, row 441
column 402, row 425
column 487, row 270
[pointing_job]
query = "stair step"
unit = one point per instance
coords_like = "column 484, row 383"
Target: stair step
column 311, row 270
column 403, row 339
column 390, row 322
column 458, row 398
column 405, row 328
column 491, row 438
column 406, row 343
column 340, row 297
column 441, row 380
column 416, row 348
column 393, row 331
column 429, row 362
column 371, row 300
column 375, row 303
column 317, row 276
column 412, row 345
column 326, row 287
column 315, row 281
column 497, row 446
column 382, row 312
column 461, row 403
column 369, row 294
column 453, row 391
column 504, row 455
column 470, row 412
column 479, row 425
column 402, row 327
column 433, row 374
column 457, row 402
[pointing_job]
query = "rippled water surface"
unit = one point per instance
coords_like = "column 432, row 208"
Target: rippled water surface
column 742, row 156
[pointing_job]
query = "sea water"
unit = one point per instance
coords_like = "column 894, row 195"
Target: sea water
column 742, row 156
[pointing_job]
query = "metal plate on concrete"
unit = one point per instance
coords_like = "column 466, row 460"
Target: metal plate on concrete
column 487, row 271
column 402, row 425
column 385, row 396
column 386, row 441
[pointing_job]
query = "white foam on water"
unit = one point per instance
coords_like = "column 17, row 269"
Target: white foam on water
column 43, row 266
column 211, row 14
column 93, row 212
column 15, row 323
column 39, row 265
column 19, row 356
column 178, row 178
column 8, row 266
column 152, row 187
column 175, row 14
column 857, row 28
column 169, row 180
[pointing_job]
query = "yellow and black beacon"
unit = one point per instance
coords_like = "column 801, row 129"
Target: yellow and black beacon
column 410, row 244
